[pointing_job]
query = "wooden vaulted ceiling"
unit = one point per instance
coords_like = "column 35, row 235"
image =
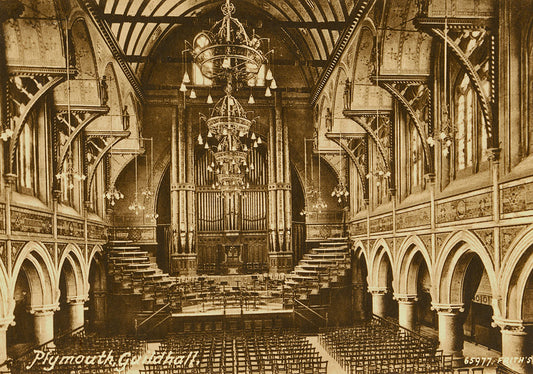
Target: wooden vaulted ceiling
column 313, row 27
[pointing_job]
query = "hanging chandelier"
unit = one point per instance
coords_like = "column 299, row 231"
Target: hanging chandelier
column 229, row 139
column 227, row 49
column 113, row 195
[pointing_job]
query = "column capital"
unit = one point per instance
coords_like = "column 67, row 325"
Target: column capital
column 447, row 308
column 182, row 187
column 56, row 195
column 509, row 326
column 494, row 154
column 76, row 300
column 6, row 322
column 43, row 310
column 378, row 290
column 430, row 177
column 406, row 298
column 10, row 178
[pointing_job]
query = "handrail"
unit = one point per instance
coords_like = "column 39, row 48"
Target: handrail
column 161, row 322
column 150, row 316
column 307, row 319
column 311, row 310
column 28, row 351
column 427, row 340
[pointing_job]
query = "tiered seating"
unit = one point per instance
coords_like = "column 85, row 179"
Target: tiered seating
column 71, row 347
column 379, row 346
column 275, row 352
column 133, row 273
column 322, row 268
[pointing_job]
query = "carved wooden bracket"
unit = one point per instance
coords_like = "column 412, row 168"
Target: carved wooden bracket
column 413, row 93
column 25, row 89
column 81, row 117
column 472, row 41
column 358, row 160
column 98, row 144
column 372, row 122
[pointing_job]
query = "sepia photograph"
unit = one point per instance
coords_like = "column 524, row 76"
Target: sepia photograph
column 266, row 186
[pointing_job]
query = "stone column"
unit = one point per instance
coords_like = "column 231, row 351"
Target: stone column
column 100, row 307
column 451, row 330
column 514, row 346
column 4, row 325
column 379, row 303
column 358, row 301
column 43, row 324
column 76, row 313
column 407, row 311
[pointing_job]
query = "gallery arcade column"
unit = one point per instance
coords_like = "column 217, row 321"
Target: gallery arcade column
column 4, row 325
column 43, row 321
column 76, row 313
column 379, row 301
column 99, row 308
column 407, row 311
column 450, row 329
column 515, row 349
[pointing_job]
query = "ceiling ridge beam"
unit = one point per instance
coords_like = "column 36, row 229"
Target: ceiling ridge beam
column 360, row 10
column 94, row 12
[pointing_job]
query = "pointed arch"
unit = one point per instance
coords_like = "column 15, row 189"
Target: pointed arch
column 7, row 304
column 379, row 255
column 451, row 265
column 35, row 261
column 407, row 265
column 515, row 273
column 75, row 273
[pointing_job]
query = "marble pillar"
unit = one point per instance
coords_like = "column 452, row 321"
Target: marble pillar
column 76, row 314
column 451, row 330
column 407, row 311
column 379, row 301
column 515, row 350
column 43, row 324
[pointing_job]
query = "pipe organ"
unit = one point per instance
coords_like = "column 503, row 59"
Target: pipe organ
column 219, row 232
column 231, row 226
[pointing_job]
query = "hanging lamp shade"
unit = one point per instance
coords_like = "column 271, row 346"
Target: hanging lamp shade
column 186, row 78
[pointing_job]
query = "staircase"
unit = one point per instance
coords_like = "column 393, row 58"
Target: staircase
column 139, row 288
column 318, row 278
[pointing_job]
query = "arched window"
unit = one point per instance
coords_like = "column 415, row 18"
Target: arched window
column 32, row 154
column 470, row 146
column 416, row 160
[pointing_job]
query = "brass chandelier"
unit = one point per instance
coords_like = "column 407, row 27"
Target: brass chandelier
column 227, row 50
column 225, row 54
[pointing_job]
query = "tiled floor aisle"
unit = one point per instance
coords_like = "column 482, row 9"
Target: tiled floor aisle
column 333, row 366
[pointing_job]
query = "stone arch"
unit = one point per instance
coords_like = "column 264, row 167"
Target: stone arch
column 361, row 299
column 379, row 254
column 409, row 263
column 325, row 104
column 97, row 305
column 84, row 89
column 451, row 266
column 38, row 266
column 114, row 117
column 516, row 275
column 365, row 94
column 73, row 265
column 6, row 300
